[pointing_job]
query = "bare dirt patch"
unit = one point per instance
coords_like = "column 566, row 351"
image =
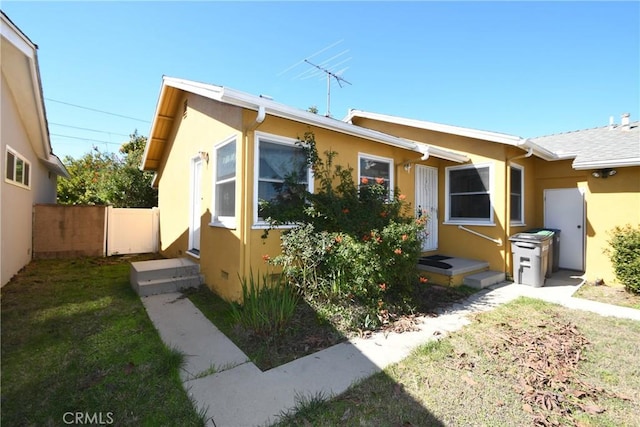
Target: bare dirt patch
column 308, row 332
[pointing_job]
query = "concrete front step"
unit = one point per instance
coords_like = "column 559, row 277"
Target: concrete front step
column 483, row 279
column 451, row 271
column 164, row 276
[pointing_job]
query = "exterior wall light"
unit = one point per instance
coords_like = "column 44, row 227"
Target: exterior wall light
column 204, row 156
column 603, row 173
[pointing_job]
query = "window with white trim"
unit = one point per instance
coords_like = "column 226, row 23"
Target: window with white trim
column 224, row 196
column 375, row 170
column 277, row 158
column 17, row 169
column 517, row 194
column 468, row 194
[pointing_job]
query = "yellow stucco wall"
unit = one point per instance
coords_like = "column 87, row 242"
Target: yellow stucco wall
column 611, row 202
column 205, row 124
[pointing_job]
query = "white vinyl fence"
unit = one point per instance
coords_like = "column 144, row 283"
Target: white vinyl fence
column 132, row 231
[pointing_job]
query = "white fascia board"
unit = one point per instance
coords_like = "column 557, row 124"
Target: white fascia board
column 599, row 164
column 42, row 114
column 429, row 150
column 14, row 36
column 502, row 138
column 542, row 152
column 273, row 108
column 55, row 165
column 286, row 112
column 252, row 102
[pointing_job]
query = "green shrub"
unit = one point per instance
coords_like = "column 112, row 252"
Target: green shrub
column 268, row 304
column 356, row 244
column 625, row 256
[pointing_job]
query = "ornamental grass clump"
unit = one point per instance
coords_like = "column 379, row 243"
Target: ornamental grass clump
column 268, row 303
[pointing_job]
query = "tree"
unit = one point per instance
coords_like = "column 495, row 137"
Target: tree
column 99, row 178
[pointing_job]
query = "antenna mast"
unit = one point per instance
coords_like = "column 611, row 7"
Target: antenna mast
column 329, row 75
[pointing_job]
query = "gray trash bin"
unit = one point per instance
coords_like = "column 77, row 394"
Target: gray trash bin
column 530, row 252
column 554, row 250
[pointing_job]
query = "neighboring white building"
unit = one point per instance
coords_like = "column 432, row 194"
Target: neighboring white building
column 28, row 167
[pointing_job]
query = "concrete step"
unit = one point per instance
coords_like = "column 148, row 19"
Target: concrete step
column 164, row 275
column 165, row 286
column 483, row 279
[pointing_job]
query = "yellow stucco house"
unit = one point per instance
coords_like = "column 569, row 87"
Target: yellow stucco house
column 27, row 163
column 217, row 152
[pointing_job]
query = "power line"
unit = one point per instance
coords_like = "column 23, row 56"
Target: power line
column 96, row 110
column 87, row 129
column 85, row 139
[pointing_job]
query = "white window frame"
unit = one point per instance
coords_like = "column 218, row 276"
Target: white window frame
column 259, row 223
column 26, row 169
column 521, row 221
column 223, row 221
column 447, row 204
column 388, row 160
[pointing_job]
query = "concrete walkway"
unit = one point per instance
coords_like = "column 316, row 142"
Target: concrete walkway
column 221, row 380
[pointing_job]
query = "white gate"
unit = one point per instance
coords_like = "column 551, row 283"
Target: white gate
column 132, row 231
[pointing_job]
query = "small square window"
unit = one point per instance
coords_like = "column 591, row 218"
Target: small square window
column 517, row 192
column 224, row 198
column 18, row 169
column 469, row 194
column 375, row 170
column 277, row 159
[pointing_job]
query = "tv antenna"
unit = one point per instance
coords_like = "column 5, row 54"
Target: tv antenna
column 329, row 74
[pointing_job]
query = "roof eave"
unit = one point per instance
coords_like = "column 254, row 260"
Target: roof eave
column 55, row 165
column 599, row 164
column 542, row 152
column 437, row 127
column 252, row 102
column 29, row 49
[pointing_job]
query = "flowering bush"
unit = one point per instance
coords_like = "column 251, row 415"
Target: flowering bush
column 354, row 243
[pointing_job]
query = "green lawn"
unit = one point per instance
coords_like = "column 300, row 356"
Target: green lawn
column 76, row 339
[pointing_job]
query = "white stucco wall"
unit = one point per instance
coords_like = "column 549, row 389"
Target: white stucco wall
column 16, row 203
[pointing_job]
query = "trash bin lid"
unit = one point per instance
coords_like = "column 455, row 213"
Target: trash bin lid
column 550, row 231
column 532, row 237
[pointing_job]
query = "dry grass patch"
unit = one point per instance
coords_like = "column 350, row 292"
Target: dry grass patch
column 525, row 363
column 615, row 295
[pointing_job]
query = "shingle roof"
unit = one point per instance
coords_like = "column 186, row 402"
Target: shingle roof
column 608, row 146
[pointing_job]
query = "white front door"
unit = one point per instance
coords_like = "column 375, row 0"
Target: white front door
column 427, row 203
column 196, row 198
column 564, row 210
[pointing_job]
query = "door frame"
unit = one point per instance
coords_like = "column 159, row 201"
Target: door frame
column 195, row 206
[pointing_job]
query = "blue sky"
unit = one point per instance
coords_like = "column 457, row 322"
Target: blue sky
column 522, row 68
